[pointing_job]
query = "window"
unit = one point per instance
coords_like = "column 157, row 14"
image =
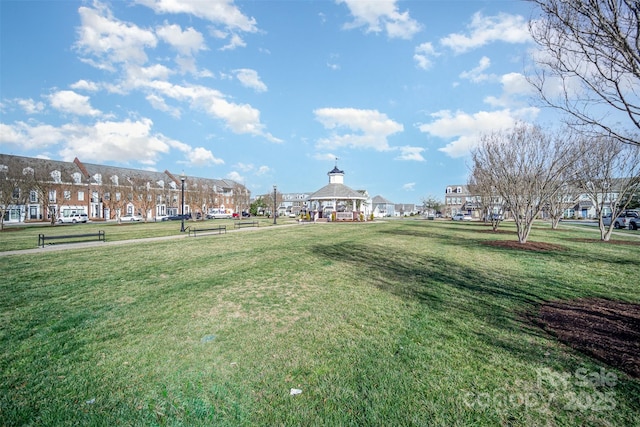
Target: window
column 16, row 193
column 52, row 196
column 80, row 196
column 448, row 190
column 33, row 196
column 94, row 197
column 67, row 195
column 459, row 190
column 118, row 196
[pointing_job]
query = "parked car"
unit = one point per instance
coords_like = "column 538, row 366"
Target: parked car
column 73, row 218
column 634, row 220
column 130, row 218
column 461, row 217
column 178, row 217
column 623, row 220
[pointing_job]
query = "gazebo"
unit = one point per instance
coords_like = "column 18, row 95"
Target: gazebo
column 336, row 198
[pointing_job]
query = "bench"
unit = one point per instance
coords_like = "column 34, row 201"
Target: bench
column 219, row 229
column 245, row 224
column 73, row 238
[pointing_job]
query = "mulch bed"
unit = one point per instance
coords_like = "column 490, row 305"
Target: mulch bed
column 529, row 246
column 609, row 242
column 607, row 330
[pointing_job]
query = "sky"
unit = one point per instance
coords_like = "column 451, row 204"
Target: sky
column 267, row 92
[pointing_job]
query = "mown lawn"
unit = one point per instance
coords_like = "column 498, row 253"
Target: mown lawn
column 390, row 323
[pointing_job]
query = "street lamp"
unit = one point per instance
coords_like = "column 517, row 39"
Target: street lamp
column 275, row 212
column 182, row 178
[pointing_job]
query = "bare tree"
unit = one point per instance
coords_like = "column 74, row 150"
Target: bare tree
column 432, row 204
column 564, row 199
column 589, row 66
column 488, row 199
column 10, row 182
column 609, row 174
column 524, row 165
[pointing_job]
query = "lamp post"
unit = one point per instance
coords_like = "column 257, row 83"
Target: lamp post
column 275, row 212
column 182, row 178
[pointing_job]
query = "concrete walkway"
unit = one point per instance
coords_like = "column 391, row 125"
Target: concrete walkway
column 80, row 245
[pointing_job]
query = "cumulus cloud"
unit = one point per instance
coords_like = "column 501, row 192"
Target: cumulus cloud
column 68, row 101
column 186, row 42
column 488, row 29
column 30, row 106
column 379, row 16
column 30, row 136
column 200, row 156
column 514, row 86
column 422, row 55
column 250, row 78
column 477, row 74
column 111, row 41
column 85, row 85
column 467, row 128
column 366, row 129
column 411, row 153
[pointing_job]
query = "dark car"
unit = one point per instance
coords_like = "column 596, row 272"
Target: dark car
column 178, row 217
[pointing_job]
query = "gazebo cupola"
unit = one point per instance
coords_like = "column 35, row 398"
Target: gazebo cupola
column 336, row 176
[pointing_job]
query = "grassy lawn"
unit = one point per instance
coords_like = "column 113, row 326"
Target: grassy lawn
column 390, row 323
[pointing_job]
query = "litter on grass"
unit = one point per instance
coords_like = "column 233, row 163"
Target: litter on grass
column 207, row 338
column 295, row 391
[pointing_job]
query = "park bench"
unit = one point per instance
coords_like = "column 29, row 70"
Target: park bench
column 72, row 238
column 208, row 230
column 241, row 224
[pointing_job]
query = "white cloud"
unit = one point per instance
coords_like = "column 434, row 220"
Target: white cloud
column 84, row 85
column 29, row 136
column 200, row 156
column 423, row 54
column 381, row 15
column 249, row 78
column 160, row 104
column 114, row 141
column 365, row 128
column 30, row 106
column 411, row 153
column 235, row 176
column 514, row 86
column 477, row 74
column 186, row 42
column 111, row 41
column 468, row 128
column 488, row 29
column 219, row 12
column 263, row 170
column 409, row 186
column 68, row 101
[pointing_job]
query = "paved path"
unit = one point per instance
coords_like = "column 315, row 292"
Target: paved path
column 79, row 245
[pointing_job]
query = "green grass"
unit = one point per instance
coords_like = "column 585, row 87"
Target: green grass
column 396, row 323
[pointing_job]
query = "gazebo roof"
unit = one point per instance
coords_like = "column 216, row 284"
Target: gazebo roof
column 336, row 191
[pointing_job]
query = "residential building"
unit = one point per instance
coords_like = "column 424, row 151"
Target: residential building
column 382, row 207
column 34, row 189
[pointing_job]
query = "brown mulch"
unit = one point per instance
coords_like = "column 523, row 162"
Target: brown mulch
column 529, row 246
column 606, row 330
column 609, row 242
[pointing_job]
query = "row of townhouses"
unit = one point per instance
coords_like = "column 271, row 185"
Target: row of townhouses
column 459, row 199
column 33, row 189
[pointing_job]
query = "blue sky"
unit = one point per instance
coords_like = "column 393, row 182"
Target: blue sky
column 266, row 92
